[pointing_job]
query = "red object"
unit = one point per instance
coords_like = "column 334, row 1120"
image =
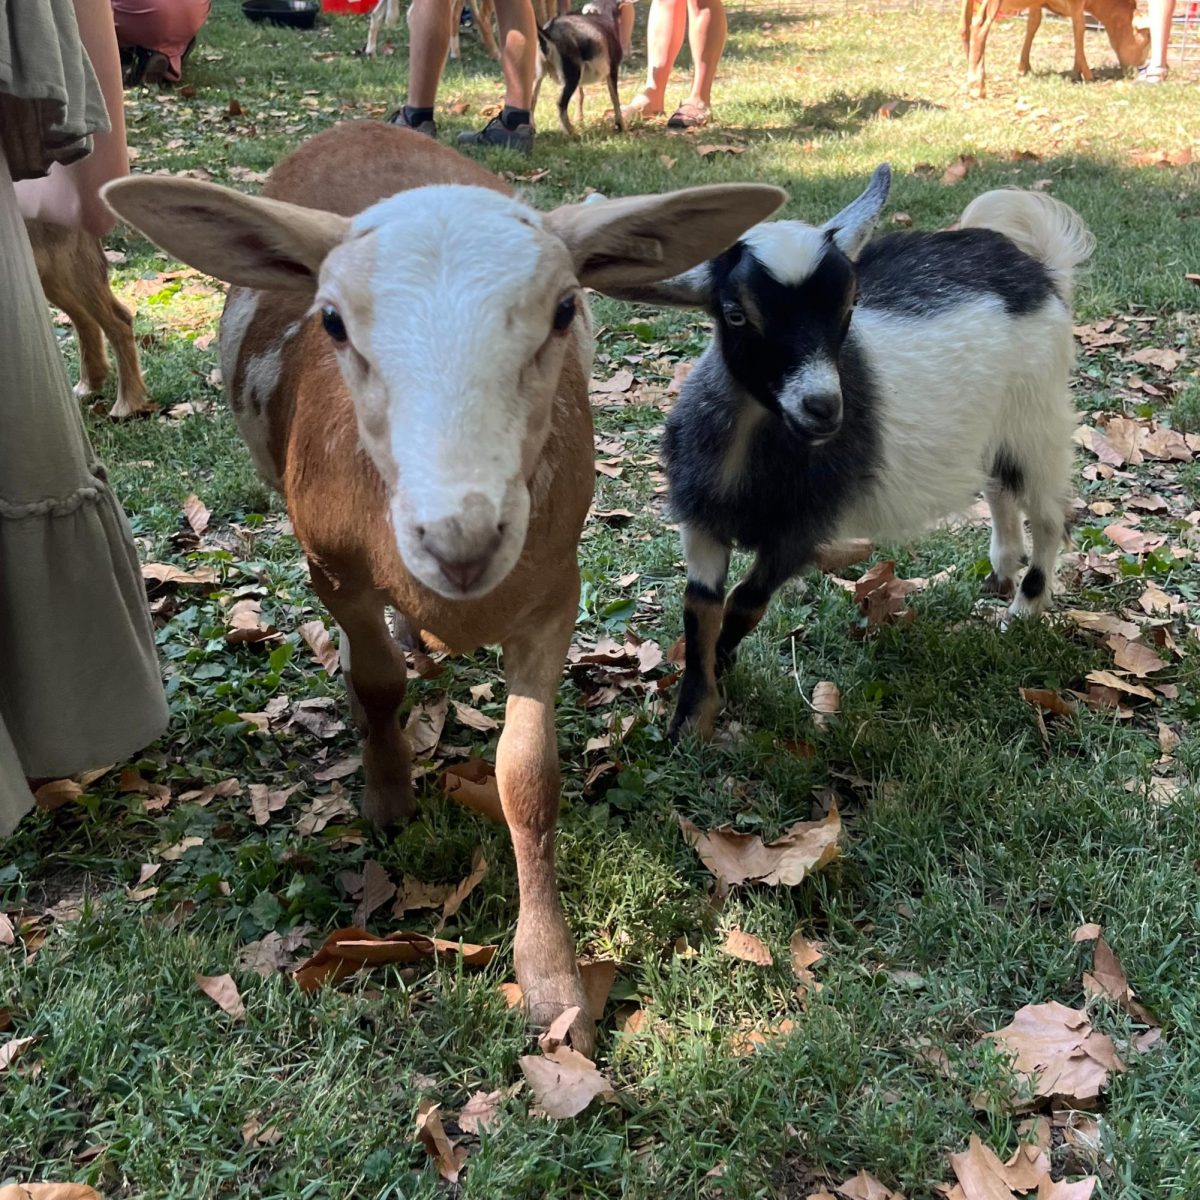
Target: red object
column 348, row 6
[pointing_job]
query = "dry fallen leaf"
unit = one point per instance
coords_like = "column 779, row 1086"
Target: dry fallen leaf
column 11, row 1049
column 166, row 573
column 273, row 952
column 473, row 784
column 8, row 936
column 180, row 848
column 56, row 793
column 865, row 1187
column 454, row 901
column 1117, row 683
column 735, row 857
column 346, row 951
column 317, row 638
column 957, row 171
column 413, row 894
column 746, row 1041
column 747, row 947
column 448, row 1157
column 473, row 718
column 264, row 800
column 254, row 1133
column 564, row 1082
column 710, row 151
column 1107, row 978
column 1135, row 657
column 880, row 596
column 196, row 513
column 425, row 724
column 377, row 890
column 481, row 1111
column 1087, row 933
column 223, row 990
column 1052, row 702
column 245, row 623
column 323, row 809
column 1058, row 1053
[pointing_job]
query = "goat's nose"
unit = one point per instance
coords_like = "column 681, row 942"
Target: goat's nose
column 824, row 408
column 463, row 547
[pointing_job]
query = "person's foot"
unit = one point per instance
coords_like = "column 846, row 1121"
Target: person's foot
column 639, row 108
column 414, row 118
column 1150, row 74
column 497, row 133
column 691, row 114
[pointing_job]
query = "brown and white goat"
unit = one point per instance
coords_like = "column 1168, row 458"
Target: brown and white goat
column 74, row 274
column 387, row 13
column 1131, row 45
column 407, row 352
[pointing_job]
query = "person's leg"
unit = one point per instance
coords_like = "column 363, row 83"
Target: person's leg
column 518, row 51
column 707, row 28
column 1161, row 14
column 428, row 44
column 513, row 128
column 665, row 28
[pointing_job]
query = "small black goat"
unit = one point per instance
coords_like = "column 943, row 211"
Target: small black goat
column 579, row 48
column 861, row 388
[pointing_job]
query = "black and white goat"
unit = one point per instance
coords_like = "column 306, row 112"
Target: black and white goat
column 579, row 48
column 859, row 388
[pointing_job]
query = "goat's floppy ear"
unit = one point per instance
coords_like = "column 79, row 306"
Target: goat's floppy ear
column 856, row 222
column 625, row 243
column 692, row 289
column 246, row 240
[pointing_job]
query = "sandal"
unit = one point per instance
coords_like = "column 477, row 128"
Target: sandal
column 638, row 109
column 691, row 114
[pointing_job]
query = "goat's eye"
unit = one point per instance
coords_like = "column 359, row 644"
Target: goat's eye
column 564, row 314
column 334, row 326
column 734, row 316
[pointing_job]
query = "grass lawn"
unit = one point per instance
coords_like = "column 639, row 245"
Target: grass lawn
column 973, row 846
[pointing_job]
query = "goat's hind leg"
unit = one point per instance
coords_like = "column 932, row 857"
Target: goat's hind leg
column 570, row 86
column 615, row 96
column 1033, row 21
column 376, row 675
column 1007, row 549
column 527, row 774
column 707, row 569
column 748, row 602
column 1045, row 497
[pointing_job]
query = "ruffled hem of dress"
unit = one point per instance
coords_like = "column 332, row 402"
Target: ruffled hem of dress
column 80, row 684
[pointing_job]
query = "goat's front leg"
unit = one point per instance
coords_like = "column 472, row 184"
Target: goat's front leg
column 1033, row 22
column 748, row 602
column 571, row 76
column 527, row 773
column 1082, row 70
column 707, row 569
column 376, row 675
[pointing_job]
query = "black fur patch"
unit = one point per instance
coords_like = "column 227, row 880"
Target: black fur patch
column 1034, row 583
column 924, row 273
column 1007, row 472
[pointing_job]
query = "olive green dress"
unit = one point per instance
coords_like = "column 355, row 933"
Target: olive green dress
column 79, row 681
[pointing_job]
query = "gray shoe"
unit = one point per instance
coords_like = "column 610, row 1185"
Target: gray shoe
column 428, row 128
column 496, row 133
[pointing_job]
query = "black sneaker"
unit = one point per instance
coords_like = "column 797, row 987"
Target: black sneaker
column 496, row 133
column 428, row 128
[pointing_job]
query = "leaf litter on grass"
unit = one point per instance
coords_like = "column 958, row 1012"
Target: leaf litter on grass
column 737, row 858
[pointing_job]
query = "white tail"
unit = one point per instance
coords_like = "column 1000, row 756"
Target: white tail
column 1049, row 230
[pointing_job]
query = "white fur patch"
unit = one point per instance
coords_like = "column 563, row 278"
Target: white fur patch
column 816, row 377
column 954, row 389
column 707, row 559
column 789, row 250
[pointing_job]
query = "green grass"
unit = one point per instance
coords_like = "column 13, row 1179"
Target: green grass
column 971, row 852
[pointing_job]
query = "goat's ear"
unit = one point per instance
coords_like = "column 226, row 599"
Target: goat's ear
column 246, row 240
column 852, row 227
column 625, row 243
column 692, row 289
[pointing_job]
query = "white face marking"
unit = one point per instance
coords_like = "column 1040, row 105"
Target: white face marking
column 789, row 250
column 448, row 296
column 817, row 377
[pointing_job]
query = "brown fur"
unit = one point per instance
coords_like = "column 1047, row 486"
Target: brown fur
column 74, row 275
column 1131, row 45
